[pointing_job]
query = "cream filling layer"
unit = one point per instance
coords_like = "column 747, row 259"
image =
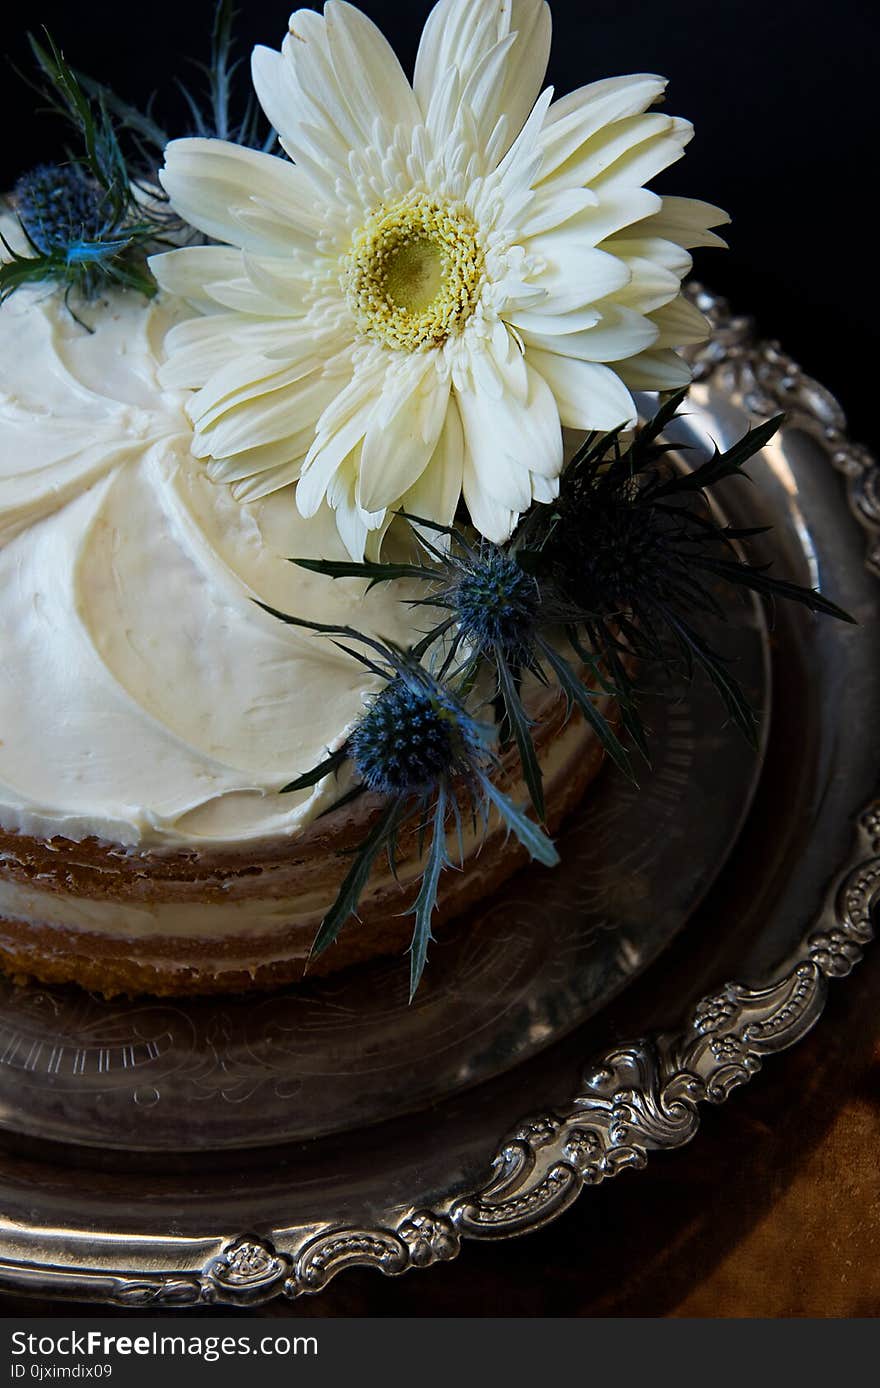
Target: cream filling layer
column 144, row 698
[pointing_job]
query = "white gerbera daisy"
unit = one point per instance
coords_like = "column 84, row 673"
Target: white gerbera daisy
column 414, row 307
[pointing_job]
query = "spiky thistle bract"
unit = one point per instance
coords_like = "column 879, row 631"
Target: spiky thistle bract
column 495, row 618
column 87, row 223
column 420, row 748
column 92, row 220
column 624, row 567
column 636, row 555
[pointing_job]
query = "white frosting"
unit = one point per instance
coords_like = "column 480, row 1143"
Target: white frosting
column 144, row 697
column 239, row 912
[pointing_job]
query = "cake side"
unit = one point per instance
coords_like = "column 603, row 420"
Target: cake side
column 218, row 922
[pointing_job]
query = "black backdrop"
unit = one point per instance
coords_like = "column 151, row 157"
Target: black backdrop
column 783, row 95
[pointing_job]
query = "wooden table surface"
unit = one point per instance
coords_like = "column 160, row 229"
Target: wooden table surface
column 773, row 1210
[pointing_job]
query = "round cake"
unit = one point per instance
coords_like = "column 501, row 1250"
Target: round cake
column 151, row 712
column 328, row 542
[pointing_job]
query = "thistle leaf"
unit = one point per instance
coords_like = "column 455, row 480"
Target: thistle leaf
column 427, row 898
column 576, row 693
column 532, row 838
column 325, row 768
column 355, row 880
column 654, row 427
column 522, row 734
column 721, row 465
column 759, row 581
column 699, row 653
column 376, row 573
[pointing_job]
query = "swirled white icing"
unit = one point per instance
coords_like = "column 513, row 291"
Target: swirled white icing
column 144, row 697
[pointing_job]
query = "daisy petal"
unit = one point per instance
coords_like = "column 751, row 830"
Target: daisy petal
column 507, row 440
column 399, row 443
column 263, row 419
column 579, row 114
column 435, row 495
column 187, row 271
column 491, row 518
column 461, row 35
column 662, row 370
column 588, row 395
column 575, row 274
column 266, row 481
column 680, row 324
column 620, row 333
column 367, row 70
column 642, row 163
column 339, row 431
column 200, row 347
column 686, row 221
column 209, row 180
column 612, row 143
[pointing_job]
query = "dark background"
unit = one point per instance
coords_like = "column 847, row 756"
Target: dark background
column 782, row 94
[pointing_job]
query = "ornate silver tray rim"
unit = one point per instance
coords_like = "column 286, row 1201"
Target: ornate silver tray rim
column 634, row 1099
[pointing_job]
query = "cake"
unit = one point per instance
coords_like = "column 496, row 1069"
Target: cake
column 399, row 350
column 151, row 713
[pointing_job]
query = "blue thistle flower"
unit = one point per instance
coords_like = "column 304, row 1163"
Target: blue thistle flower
column 86, row 225
column 495, row 602
column 419, row 747
column 496, row 618
column 633, row 550
column 415, row 735
column 59, row 207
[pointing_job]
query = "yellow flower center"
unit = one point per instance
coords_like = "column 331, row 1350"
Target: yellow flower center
column 414, row 273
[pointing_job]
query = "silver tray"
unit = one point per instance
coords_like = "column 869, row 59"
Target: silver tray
column 175, row 1155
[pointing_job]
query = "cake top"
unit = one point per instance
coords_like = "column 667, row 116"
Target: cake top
column 144, row 698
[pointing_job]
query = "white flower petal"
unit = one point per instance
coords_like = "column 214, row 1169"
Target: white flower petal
column 506, row 441
column 359, row 530
column 661, row 370
column 686, row 221
column 268, row 458
column 456, row 35
column 337, row 90
column 645, row 161
column 263, row 419
column 614, row 211
column 551, row 208
column 186, row 272
column 575, row 273
column 436, row 493
column 492, row 519
column 266, row 481
column 535, row 321
column 666, row 253
column 680, row 324
column 339, row 431
column 599, row 154
column 398, row 445
column 588, row 396
column 209, row 181
column 247, row 379
column 579, row 124
column 319, row 102
column 460, row 34
column 199, row 347
column 574, row 118
column 544, row 489
column 651, row 285
column 367, row 70
column 620, row 333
